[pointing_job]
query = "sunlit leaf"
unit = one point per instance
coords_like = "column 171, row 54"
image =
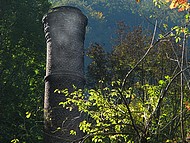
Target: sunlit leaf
column 181, row 4
column 72, row 132
column 15, row 141
column 28, row 114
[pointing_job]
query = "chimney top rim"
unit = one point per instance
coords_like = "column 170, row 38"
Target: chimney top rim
column 62, row 9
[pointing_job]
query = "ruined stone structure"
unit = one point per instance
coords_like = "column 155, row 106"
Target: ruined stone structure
column 64, row 29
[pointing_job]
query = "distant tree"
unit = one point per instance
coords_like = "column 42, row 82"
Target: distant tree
column 100, row 62
column 131, row 44
column 22, row 66
column 144, row 107
column 101, row 9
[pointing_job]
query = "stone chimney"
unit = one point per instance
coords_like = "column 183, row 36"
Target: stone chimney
column 64, row 29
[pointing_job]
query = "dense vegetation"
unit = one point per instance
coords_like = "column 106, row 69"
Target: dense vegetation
column 132, row 97
column 103, row 15
column 22, row 56
column 138, row 92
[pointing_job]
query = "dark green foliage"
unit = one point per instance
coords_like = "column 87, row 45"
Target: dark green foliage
column 22, row 65
column 109, row 106
column 146, row 108
column 131, row 43
column 100, row 63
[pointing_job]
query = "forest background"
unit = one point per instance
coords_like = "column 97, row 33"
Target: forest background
column 119, row 33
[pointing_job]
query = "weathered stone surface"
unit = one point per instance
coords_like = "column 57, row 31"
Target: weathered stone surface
column 64, row 29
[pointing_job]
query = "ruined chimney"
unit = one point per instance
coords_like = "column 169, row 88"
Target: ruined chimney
column 64, row 29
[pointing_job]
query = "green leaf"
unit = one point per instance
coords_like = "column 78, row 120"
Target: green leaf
column 61, row 103
column 72, row 132
column 161, row 82
column 165, row 26
column 28, row 114
column 167, row 77
column 117, row 128
column 57, row 91
column 177, row 39
column 36, row 71
column 14, row 141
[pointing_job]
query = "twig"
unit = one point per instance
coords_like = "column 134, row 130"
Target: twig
column 163, row 94
column 170, row 122
column 130, row 114
column 178, row 61
column 182, row 95
column 126, row 76
column 151, row 46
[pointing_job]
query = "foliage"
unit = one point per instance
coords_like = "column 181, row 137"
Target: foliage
column 113, row 116
column 22, row 57
column 140, row 91
column 131, row 45
column 150, row 104
column 102, row 9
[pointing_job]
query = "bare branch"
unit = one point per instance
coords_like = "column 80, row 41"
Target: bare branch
column 163, row 94
column 151, row 46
